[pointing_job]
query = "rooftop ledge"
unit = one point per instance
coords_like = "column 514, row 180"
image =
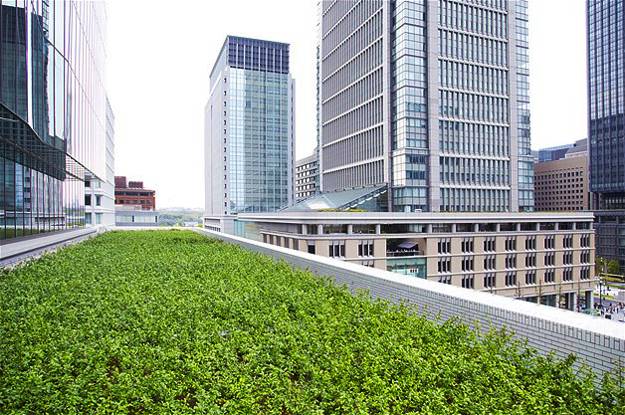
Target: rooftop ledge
column 599, row 342
column 398, row 217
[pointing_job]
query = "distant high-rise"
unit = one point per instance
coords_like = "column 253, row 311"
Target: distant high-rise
column 561, row 178
column 428, row 99
column 249, row 129
column 53, row 113
column 606, row 123
column 306, row 177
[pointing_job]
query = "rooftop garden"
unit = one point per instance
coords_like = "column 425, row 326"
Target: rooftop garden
column 173, row 322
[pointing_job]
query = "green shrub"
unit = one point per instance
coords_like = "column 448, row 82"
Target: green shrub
column 172, row 322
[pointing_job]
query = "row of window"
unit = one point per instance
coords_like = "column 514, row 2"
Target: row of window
column 473, row 48
column 355, row 176
column 365, row 89
column 474, row 171
column 467, row 18
column 469, row 138
column 365, row 145
column 510, row 278
column 510, row 261
column 475, row 107
column 355, row 42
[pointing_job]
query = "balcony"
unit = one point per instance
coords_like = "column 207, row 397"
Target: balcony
column 179, row 322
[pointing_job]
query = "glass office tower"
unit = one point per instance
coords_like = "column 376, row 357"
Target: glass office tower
column 249, row 123
column 52, row 112
column 429, row 98
column 606, row 124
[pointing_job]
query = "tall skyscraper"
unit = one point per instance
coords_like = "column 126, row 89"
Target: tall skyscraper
column 53, row 113
column 249, row 129
column 606, row 124
column 429, row 99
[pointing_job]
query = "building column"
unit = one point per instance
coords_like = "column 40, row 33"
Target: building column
column 378, row 229
column 304, row 229
column 350, row 229
column 320, row 229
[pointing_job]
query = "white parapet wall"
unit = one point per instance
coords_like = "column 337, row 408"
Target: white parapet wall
column 595, row 341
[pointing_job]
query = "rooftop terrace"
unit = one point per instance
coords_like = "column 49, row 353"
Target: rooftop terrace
column 173, row 321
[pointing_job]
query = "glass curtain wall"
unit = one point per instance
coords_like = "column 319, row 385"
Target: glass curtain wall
column 52, row 112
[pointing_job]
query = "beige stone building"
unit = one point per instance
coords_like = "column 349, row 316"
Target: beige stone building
column 539, row 257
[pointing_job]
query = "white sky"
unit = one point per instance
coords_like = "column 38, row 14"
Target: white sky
column 160, row 54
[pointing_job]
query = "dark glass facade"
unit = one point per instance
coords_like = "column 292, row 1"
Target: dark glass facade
column 258, row 55
column 606, row 100
column 52, row 112
column 606, row 123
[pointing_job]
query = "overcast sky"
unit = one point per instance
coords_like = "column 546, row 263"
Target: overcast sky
column 160, row 54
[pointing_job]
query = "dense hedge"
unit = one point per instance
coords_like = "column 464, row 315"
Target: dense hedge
column 172, row 322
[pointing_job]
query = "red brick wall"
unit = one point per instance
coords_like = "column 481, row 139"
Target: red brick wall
column 145, row 198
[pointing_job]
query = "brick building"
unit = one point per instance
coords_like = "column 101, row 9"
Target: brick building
column 562, row 184
column 132, row 193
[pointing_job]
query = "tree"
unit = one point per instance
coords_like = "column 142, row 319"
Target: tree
column 607, row 266
column 613, row 267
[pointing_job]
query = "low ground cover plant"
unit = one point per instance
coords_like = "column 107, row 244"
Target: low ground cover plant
column 173, row 322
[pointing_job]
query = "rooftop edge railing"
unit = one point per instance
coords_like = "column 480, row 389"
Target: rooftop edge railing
column 597, row 342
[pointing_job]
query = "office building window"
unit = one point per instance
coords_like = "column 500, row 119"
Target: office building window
column 365, row 248
column 468, row 281
column 467, row 264
column 444, row 246
column 567, row 241
column 584, row 241
column 584, row 257
column 584, row 273
column 510, row 244
column 530, row 277
column 510, row 279
column 489, row 280
column 567, row 258
column 510, row 261
column 336, row 249
column 444, row 265
column 567, row 274
column 489, row 245
column 467, row 245
column 489, row 262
